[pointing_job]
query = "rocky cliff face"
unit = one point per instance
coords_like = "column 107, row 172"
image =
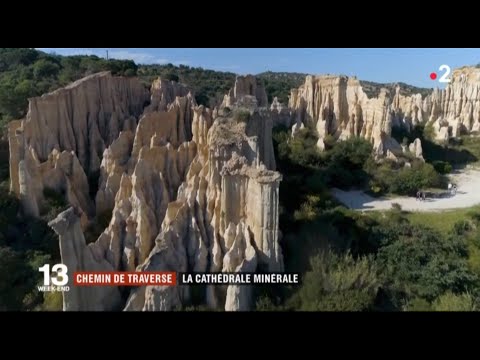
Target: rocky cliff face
column 78, row 256
column 246, row 93
column 82, row 120
column 338, row 107
column 188, row 189
column 450, row 112
column 456, row 109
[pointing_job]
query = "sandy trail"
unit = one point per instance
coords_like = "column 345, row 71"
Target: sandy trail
column 468, row 194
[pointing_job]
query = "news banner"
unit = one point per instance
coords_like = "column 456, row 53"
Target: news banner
column 56, row 278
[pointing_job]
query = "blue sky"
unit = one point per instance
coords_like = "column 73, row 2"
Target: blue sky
column 412, row 66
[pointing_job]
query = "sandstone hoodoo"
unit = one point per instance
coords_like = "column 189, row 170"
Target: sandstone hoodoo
column 456, row 109
column 337, row 106
column 188, row 188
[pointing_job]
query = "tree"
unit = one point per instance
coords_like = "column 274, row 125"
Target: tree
column 15, row 276
column 453, row 302
column 172, row 77
column 45, row 68
column 418, row 262
column 338, row 283
column 346, row 161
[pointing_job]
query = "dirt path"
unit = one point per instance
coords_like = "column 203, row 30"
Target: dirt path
column 468, row 194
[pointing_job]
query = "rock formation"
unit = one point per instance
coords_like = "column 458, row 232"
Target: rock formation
column 163, row 93
column 450, row 112
column 456, row 109
column 188, row 189
column 246, row 93
column 77, row 256
column 337, row 106
column 281, row 114
column 81, row 119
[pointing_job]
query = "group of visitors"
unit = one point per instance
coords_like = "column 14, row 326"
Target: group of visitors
column 452, row 188
column 421, row 195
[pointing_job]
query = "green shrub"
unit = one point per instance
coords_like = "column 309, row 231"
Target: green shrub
column 53, row 301
column 308, row 210
column 418, row 304
column 171, row 77
column 15, row 279
column 442, row 167
column 338, row 283
column 454, row 302
column 264, row 303
column 429, row 132
column 461, row 227
column 346, row 162
column 417, row 261
column 420, row 176
column 396, row 207
column 329, row 141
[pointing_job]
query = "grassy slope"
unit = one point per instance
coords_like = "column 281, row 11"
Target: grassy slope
column 442, row 221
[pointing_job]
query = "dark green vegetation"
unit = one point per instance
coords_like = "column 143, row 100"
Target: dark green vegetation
column 26, row 73
column 355, row 261
column 348, row 164
column 279, row 84
column 25, row 245
column 372, row 89
column 209, row 86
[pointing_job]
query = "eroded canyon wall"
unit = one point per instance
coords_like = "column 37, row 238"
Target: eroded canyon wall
column 61, row 140
column 337, row 106
column 456, row 109
column 189, row 189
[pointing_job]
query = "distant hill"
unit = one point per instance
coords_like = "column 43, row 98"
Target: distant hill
column 209, row 86
column 372, row 89
column 279, row 84
column 27, row 72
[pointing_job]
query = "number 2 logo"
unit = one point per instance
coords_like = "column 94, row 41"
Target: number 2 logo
column 444, row 78
column 59, row 280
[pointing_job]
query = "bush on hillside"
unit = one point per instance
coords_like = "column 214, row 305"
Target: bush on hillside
column 442, row 167
column 338, row 283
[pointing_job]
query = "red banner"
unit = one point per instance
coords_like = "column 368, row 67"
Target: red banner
column 123, row 278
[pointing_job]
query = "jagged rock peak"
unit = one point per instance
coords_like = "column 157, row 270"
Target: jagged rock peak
column 81, row 119
column 84, row 117
column 337, row 106
column 78, row 256
column 164, row 93
column 456, row 109
column 247, row 92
